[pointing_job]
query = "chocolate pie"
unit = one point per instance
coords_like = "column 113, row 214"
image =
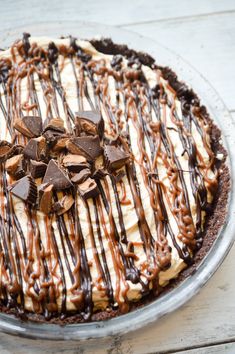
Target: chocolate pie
column 113, row 182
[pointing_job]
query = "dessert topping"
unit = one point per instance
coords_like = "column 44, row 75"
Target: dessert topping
column 88, row 146
column 36, row 149
column 37, row 168
column 56, row 124
column 91, row 122
column 45, row 193
column 56, row 176
column 99, row 173
column 16, row 166
column 81, row 176
column 30, row 126
column 115, row 158
column 5, row 148
column 25, row 189
column 63, row 205
column 88, row 189
column 75, row 163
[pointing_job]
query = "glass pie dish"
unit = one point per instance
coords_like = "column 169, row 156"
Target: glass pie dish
column 184, row 291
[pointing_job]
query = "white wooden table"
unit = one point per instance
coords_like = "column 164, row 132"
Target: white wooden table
column 203, row 32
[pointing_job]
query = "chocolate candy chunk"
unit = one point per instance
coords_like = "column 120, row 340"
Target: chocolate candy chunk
column 8, row 150
column 37, row 168
column 30, row 126
column 99, row 173
column 36, row 149
column 16, row 166
column 52, row 136
column 12, row 164
column 56, row 124
column 25, row 189
column 91, row 122
column 88, row 146
column 45, row 193
column 115, row 158
column 81, row 176
column 5, row 148
column 75, row 163
column 59, row 144
column 56, row 141
column 88, row 189
column 56, row 176
column 63, row 205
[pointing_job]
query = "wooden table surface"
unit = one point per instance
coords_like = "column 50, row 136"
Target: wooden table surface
column 203, row 32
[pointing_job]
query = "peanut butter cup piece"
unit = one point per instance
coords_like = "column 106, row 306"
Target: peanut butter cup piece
column 56, row 124
column 63, row 205
column 115, row 158
column 30, row 126
column 59, row 144
column 37, row 168
column 99, row 173
column 16, row 166
column 56, row 176
column 25, row 189
column 91, row 122
column 88, row 189
column 53, row 136
column 9, row 150
column 12, row 164
column 88, row 146
column 81, row 176
column 75, row 163
column 5, row 148
column 45, row 193
column 36, row 149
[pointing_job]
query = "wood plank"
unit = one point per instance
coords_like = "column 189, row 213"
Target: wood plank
column 206, row 42
column 21, row 12
column 226, row 348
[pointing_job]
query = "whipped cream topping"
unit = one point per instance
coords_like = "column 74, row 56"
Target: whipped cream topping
column 141, row 231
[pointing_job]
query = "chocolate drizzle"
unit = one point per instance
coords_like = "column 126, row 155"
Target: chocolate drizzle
column 118, row 137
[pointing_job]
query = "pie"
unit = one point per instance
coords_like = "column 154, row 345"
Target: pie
column 113, row 179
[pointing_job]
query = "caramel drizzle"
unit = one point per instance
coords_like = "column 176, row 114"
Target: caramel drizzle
column 43, row 270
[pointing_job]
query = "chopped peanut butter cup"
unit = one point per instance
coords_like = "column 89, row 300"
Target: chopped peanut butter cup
column 25, row 189
column 5, row 147
column 88, row 189
column 37, row 168
column 90, row 122
column 81, row 176
column 115, row 157
column 45, row 193
column 88, row 146
column 29, row 126
column 16, row 166
column 55, row 124
column 56, row 176
column 36, row 149
column 75, row 163
column 63, row 205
